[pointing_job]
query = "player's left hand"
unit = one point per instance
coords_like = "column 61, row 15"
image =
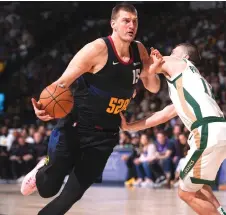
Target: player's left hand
column 157, row 60
column 156, row 56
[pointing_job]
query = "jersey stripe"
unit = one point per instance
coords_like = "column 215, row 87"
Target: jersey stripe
column 193, row 103
column 205, row 87
column 197, row 167
column 198, row 153
column 180, row 91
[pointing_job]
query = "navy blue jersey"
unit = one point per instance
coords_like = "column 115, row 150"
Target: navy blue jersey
column 100, row 97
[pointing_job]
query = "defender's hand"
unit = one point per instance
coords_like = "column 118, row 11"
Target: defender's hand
column 156, row 56
column 124, row 125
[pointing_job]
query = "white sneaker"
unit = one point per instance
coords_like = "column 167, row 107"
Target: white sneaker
column 29, row 183
column 137, row 183
column 160, row 184
column 147, row 184
column 19, row 180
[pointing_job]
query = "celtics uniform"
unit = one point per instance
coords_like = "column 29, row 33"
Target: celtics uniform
column 195, row 105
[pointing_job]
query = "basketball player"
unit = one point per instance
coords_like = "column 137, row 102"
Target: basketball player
column 194, row 103
column 106, row 72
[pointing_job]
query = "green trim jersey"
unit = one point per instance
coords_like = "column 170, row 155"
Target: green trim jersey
column 192, row 96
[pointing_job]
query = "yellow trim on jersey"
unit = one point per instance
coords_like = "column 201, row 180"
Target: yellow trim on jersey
column 180, row 91
column 197, row 167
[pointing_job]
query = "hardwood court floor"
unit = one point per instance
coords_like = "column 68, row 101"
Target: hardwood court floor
column 102, row 200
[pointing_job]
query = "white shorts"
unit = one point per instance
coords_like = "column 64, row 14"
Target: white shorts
column 207, row 152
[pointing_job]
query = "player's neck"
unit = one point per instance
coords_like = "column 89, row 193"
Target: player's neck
column 121, row 47
column 173, row 66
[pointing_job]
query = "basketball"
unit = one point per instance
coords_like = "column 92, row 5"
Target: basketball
column 56, row 101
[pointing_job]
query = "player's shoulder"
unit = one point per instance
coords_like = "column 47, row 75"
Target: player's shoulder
column 139, row 44
column 98, row 43
column 97, row 46
column 141, row 48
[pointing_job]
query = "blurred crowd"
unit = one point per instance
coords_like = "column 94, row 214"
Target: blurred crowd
column 23, row 139
column 156, row 159
column 21, row 149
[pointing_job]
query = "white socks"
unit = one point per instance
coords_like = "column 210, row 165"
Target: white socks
column 221, row 211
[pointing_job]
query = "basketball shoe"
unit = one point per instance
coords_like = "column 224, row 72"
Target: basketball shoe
column 28, row 185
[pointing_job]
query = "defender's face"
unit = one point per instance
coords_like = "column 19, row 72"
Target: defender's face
column 179, row 52
column 125, row 25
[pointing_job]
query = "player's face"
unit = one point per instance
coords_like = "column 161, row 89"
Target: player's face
column 178, row 52
column 125, row 25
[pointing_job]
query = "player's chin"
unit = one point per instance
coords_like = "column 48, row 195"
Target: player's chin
column 129, row 38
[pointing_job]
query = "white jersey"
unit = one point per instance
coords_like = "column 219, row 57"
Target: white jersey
column 192, row 96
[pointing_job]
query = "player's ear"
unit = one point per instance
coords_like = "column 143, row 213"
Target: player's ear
column 113, row 24
column 187, row 56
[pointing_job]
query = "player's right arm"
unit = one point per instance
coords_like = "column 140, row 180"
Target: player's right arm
column 155, row 119
column 84, row 61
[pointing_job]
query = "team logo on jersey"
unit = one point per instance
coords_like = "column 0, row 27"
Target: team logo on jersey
column 136, row 64
column 115, row 63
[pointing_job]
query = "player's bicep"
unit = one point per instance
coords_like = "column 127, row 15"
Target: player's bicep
column 84, row 60
column 81, row 63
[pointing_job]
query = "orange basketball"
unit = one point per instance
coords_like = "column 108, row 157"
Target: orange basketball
column 56, row 101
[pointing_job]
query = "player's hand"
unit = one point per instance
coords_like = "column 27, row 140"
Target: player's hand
column 41, row 114
column 156, row 56
column 124, row 124
column 157, row 60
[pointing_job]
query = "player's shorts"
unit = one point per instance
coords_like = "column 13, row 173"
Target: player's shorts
column 207, row 152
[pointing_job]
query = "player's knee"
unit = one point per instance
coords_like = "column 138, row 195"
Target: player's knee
column 47, row 193
column 78, row 197
column 185, row 196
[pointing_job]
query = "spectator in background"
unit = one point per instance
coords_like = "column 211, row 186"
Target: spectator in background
column 22, row 158
column 179, row 142
column 47, row 134
column 124, row 139
column 165, row 154
column 176, row 131
column 6, row 138
column 4, row 163
column 129, row 159
column 144, row 161
column 40, row 149
column 185, row 148
column 183, row 140
column 42, row 129
column 31, row 131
